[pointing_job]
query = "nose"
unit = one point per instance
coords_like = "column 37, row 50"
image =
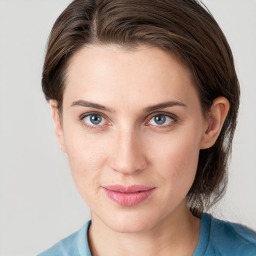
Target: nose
column 128, row 153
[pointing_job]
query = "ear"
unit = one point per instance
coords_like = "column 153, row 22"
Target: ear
column 214, row 122
column 57, row 122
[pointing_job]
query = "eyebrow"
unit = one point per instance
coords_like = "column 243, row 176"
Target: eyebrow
column 167, row 104
column 164, row 105
column 84, row 103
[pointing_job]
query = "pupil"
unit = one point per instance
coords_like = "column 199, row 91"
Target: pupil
column 95, row 119
column 160, row 119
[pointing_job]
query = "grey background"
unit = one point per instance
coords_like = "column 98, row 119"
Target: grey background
column 38, row 202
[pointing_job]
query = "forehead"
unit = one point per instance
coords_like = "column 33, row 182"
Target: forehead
column 111, row 72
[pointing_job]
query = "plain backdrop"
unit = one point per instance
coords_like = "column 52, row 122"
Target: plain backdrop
column 39, row 204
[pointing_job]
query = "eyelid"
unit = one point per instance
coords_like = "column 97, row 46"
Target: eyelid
column 170, row 115
column 108, row 121
column 81, row 117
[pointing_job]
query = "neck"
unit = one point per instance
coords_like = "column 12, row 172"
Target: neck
column 177, row 234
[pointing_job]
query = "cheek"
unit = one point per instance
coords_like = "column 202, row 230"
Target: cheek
column 84, row 150
column 86, row 160
column 178, row 172
column 176, row 158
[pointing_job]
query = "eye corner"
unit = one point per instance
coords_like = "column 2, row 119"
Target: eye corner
column 166, row 120
column 94, row 120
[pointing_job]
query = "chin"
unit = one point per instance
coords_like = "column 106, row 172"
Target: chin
column 128, row 227
column 131, row 222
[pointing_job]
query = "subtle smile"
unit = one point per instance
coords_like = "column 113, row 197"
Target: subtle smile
column 128, row 195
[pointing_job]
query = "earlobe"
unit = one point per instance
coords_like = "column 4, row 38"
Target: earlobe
column 57, row 122
column 214, row 122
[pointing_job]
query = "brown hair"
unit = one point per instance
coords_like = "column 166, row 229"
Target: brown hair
column 182, row 27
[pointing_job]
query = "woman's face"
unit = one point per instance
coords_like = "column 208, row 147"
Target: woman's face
column 132, row 128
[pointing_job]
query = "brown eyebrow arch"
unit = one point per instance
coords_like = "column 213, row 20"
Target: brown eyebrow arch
column 84, row 103
column 164, row 105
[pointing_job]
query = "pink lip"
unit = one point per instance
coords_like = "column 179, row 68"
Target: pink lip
column 128, row 195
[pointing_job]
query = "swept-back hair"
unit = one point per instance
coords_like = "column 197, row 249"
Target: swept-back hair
column 185, row 29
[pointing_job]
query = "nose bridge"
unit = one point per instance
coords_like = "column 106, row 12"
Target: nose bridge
column 128, row 154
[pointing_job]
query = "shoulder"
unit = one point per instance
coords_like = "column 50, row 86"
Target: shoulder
column 75, row 244
column 227, row 238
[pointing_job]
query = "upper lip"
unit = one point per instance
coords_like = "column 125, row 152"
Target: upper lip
column 128, row 189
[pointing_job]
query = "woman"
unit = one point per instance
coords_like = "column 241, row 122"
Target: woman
column 145, row 98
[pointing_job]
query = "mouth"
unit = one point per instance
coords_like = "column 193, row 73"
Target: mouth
column 128, row 195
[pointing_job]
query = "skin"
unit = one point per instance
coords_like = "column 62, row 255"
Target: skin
column 128, row 147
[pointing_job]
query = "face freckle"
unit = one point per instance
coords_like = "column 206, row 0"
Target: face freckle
column 131, row 89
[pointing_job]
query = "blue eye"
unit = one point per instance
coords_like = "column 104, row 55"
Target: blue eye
column 160, row 120
column 94, row 120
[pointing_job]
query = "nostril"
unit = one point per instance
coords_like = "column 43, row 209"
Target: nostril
column 128, row 166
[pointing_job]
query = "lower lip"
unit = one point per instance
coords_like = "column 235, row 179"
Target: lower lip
column 130, row 198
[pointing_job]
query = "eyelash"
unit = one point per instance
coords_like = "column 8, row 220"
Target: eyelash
column 173, row 118
column 82, row 117
column 168, row 115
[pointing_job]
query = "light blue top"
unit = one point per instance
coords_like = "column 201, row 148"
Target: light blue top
column 217, row 238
